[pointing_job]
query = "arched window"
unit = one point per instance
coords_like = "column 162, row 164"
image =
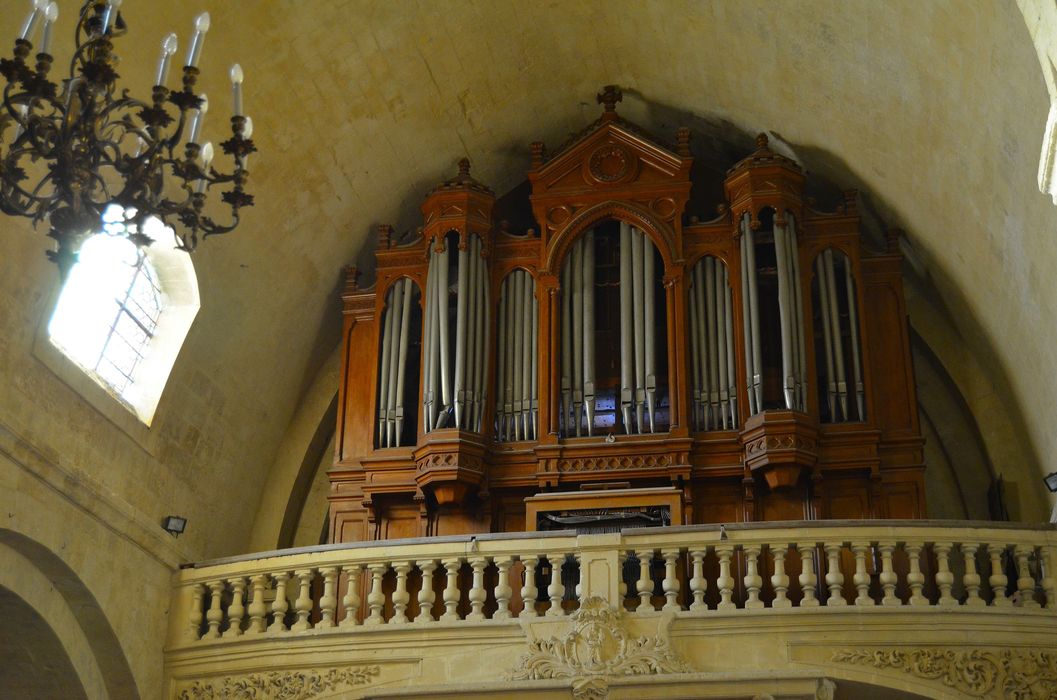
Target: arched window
column 124, row 311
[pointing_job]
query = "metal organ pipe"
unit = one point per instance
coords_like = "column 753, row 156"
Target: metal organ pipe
column 626, row 345
column 784, row 311
column 578, row 336
column 746, row 311
column 732, row 387
column 480, row 340
column 500, row 383
column 702, row 342
column 712, row 346
column 533, row 361
column 838, row 343
column 525, row 311
column 588, row 295
column 565, row 424
column 649, row 328
column 639, row 332
column 695, row 351
column 427, row 349
column 710, row 341
column 397, row 293
column 405, row 323
column 443, row 318
column 460, row 330
column 827, row 335
column 515, row 356
column 798, row 325
column 853, row 320
column 754, row 315
column 721, row 342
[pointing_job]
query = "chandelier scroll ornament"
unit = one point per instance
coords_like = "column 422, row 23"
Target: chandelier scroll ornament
column 83, row 145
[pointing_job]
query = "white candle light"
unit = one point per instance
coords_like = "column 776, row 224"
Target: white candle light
column 36, row 11
column 110, row 14
column 195, row 49
column 168, row 48
column 236, row 88
column 197, row 119
column 50, row 15
column 247, row 131
column 207, row 159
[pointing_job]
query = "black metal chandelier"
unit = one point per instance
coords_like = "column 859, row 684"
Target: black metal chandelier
column 82, row 146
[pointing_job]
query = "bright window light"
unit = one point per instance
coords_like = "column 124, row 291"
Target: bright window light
column 108, row 311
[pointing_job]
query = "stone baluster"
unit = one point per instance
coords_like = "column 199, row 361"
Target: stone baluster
column 971, row 579
column 671, row 582
column 426, row 596
column 644, row 587
column 578, row 589
column 502, row 588
column 915, row 579
column 779, row 580
column 477, row 593
column 888, row 576
column 303, row 604
column 328, row 602
column 725, row 582
column 451, row 590
column 280, row 604
column 834, row 577
column 400, row 595
column 1049, row 581
column 944, row 577
column 1025, row 581
column 351, row 600
column 556, row 589
column 528, row 588
column 214, row 615
column 753, row 580
column 194, row 629
column 257, row 609
column 237, row 609
column 861, row 579
column 998, row 580
column 807, row 578
column 698, row 584
column 376, row 598
column 622, row 587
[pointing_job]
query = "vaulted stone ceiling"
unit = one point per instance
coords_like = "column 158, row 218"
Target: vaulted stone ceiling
column 935, row 110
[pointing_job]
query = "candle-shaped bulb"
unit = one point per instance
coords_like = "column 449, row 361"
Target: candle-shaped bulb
column 236, row 88
column 50, row 15
column 37, row 8
column 247, row 130
column 110, row 14
column 168, row 48
column 206, row 157
column 197, row 119
column 195, row 49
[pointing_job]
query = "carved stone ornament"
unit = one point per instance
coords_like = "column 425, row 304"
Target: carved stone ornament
column 598, row 647
column 279, row 685
column 1015, row 674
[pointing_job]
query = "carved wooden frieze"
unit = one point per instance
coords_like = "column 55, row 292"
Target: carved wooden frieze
column 280, row 685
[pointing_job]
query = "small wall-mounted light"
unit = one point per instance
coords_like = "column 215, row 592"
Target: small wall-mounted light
column 1051, row 481
column 174, row 524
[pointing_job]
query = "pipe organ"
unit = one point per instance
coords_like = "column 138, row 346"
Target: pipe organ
column 756, row 365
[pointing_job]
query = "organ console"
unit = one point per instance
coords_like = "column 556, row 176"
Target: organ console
column 757, row 365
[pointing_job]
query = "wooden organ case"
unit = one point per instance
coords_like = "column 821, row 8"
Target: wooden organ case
column 759, row 362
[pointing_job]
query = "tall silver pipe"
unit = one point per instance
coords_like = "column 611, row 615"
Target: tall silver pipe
column 500, row 382
column 434, row 284
column 405, row 338
column 459, row 388
column 746, row 313
column 721, row 344
column 443, row 318
column 650, row 294
column 640, row 330
column 710, row 343
column 827, row 335
column 394, row 358
column 794, row 248
column 534, row 377
column 518, row 318
column 853, row 320
column 589, row 328
column 427, row 347
column 526, row 352
column 477, row 359
column 702, row 338
column 695, row 349
column 578, row 334
column 465, row 397
column 383, row 380
column 626, row 347
column 754, row 306
column 508, row 358
column 484, row 357
column 784, row 291
column 838, row 342
column 732, row 382
column 564, row 423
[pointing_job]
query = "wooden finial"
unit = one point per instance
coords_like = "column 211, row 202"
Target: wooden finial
column 850, row 197
column 682, row 137
column 609, row 97
column 352, row 278
column 464, row 168
column 761, row 141
column 538, row 150
column 385, row 235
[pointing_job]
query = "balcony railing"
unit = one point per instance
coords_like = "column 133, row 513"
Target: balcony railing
column 693, row 571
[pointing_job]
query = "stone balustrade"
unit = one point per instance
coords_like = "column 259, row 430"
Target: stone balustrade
column 827, row 610
column 690, row 571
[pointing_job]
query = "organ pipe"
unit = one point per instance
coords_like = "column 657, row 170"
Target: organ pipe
column 578, row 343
column 626, row 345
column 754, row 364
column 589, row 328
column 517, row 411
column 393, row 363
column 801, row 343
column 712, row 344
column 832, row 297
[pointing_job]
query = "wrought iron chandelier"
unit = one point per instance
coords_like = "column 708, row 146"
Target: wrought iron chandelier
column 84, row 145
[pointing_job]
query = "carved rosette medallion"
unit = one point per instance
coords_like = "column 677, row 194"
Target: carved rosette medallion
column 1015, row 674
column 597, row 647
column 279, row 685
column 609, row 163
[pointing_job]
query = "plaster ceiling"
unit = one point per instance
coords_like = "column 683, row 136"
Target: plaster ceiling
column 935, row 110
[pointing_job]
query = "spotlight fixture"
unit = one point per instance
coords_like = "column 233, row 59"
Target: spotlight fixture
column 1051, row 481
column 174, row 524
column 81, row 144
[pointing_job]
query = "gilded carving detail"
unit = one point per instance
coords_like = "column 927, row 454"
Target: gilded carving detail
column 1015, row 674
column 279, row 685
column 596, row 648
